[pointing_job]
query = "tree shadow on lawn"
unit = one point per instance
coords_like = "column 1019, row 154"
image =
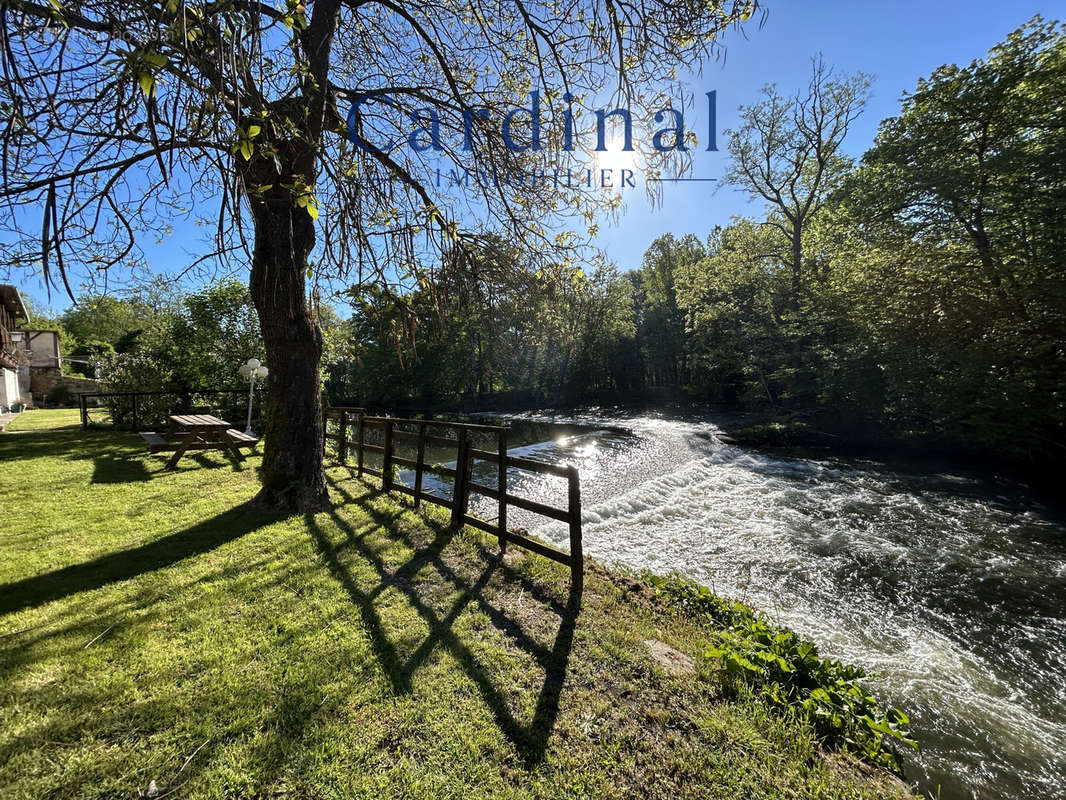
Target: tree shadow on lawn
column 118, row 456
column 530, row 740
column 75, row 445
column 108, row 469
column 125, row 564
column 287, row 711
column 294, row 709
column 112, row 716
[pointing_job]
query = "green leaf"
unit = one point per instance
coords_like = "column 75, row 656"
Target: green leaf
column 147, row 83
column 898, row 716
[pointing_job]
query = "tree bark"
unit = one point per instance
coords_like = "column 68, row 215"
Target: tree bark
column 797, row 264
column 293, row 478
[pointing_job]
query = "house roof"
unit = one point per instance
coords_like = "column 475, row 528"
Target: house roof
column 12, row 300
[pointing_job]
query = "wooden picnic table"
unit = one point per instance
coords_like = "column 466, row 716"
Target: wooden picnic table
column 197, row 432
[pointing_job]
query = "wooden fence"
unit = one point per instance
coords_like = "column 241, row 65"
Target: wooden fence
column 349, row 432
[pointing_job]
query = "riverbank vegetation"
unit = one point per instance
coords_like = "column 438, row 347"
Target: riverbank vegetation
column 918, row 294
column 914, row 298
column 158, row 635
column 786, row 672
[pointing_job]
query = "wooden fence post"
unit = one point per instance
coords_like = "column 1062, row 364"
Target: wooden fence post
column 420, row 460
column 386, row 461
column 577, row 556
column 468, row 467
column 501, row 487
column 459, row 487
column 359, row 452
column 342, row 444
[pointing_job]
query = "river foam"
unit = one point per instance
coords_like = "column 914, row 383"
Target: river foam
column 952, row 590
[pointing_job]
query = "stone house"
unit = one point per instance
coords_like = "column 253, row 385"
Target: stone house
column 32, row 364
column 12, row 356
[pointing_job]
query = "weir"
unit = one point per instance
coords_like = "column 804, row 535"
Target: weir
column 946, row 586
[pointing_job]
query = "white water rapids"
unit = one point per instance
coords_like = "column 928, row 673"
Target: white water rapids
column 951, row 589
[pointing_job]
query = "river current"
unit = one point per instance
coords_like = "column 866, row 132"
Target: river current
column 950, row 588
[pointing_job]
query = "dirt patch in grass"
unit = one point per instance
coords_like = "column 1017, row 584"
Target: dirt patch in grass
column 673, row 661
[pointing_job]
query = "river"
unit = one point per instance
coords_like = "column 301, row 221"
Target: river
column 950, row 588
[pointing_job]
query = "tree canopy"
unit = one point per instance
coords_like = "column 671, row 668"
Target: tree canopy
column 936, row 299
column 120, row 115
column 932, row 301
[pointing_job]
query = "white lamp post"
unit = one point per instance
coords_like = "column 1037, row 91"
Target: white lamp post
column 252, row 370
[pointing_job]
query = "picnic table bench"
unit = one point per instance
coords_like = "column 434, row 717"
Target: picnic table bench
column 197, row 432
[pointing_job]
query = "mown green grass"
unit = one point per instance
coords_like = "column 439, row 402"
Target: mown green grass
column 155, row 628
column 50, row 419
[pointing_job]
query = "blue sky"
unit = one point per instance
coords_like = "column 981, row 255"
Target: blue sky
column 897, row 42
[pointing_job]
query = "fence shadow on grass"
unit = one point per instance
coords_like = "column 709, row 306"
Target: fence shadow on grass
column 530, row 740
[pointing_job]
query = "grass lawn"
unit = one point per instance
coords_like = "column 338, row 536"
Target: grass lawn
column 153, row 628
column 51, row 419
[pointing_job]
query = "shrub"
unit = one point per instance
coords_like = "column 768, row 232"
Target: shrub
column 60, row 396
column 138, row 372
column 787, row 673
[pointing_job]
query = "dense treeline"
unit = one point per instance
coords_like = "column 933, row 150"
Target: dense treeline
column 921, row 290
column 918, row 292
column 932, row 294
column 163, row 338
column 499, row 323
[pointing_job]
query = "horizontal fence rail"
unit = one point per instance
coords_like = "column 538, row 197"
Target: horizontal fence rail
column 348, row 427
column 135, row 409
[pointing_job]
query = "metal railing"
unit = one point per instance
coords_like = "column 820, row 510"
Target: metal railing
column 349, row 431
column 133, row 410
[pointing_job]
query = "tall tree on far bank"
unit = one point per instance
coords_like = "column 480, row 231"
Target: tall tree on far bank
column 952, row 245
column 977, row 157
column 661, row 323
column 787, row 151
column 734, row 301
column 118, row 115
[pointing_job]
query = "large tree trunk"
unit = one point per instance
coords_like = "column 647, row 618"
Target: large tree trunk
column 292, row 473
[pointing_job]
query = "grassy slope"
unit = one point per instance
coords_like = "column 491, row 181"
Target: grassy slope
column 154, row 628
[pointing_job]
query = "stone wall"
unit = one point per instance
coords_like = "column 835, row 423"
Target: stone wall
column 45, row 380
